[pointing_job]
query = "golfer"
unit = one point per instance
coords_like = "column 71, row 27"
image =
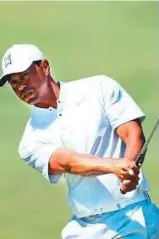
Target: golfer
column 89, row 131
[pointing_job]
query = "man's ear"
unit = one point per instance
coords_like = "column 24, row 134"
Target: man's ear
column 46, row 66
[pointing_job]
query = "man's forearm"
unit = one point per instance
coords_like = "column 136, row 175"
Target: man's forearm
column 132, row 135
column 133, row 147
column 65, row 160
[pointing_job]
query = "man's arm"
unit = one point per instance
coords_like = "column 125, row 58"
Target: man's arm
column 132, row 135
column 51, row 161
column 69, row 161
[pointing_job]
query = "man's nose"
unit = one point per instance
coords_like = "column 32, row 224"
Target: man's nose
column 21, row 87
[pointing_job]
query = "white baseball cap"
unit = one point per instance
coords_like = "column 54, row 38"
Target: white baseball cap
column 19, row 58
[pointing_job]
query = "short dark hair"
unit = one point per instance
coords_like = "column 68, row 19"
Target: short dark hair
column 37, row 62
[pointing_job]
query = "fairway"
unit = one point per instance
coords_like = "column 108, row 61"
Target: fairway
column 118, row 39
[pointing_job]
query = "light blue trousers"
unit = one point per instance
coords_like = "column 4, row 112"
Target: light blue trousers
column 136, row 221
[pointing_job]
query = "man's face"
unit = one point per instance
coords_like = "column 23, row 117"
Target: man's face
column 31, row 84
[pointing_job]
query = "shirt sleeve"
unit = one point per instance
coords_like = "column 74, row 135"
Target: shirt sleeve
column 37, row 156
column 118, row 104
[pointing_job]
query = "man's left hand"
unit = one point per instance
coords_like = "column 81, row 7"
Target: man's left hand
column 129, row 185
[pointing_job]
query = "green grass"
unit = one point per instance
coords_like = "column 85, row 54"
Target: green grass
column 118, row 39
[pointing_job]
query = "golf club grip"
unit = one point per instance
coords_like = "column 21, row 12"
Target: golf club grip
column 139, row 160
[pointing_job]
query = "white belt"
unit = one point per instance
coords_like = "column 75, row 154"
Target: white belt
column 120, row 204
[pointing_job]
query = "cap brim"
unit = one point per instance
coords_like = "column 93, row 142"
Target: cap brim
column 3, row 80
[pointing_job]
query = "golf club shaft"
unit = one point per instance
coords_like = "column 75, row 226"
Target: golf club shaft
column 140, row 158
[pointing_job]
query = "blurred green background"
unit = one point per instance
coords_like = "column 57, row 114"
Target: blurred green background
column 118, row 39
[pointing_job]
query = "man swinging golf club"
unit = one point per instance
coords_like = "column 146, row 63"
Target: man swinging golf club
column 90, row 131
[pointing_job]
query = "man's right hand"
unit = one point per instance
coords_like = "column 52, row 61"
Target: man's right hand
column 125, row 170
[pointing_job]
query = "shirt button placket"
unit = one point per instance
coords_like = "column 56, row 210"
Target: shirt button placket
column 59, row 108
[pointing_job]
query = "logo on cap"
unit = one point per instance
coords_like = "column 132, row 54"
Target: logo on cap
column 7, row 60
